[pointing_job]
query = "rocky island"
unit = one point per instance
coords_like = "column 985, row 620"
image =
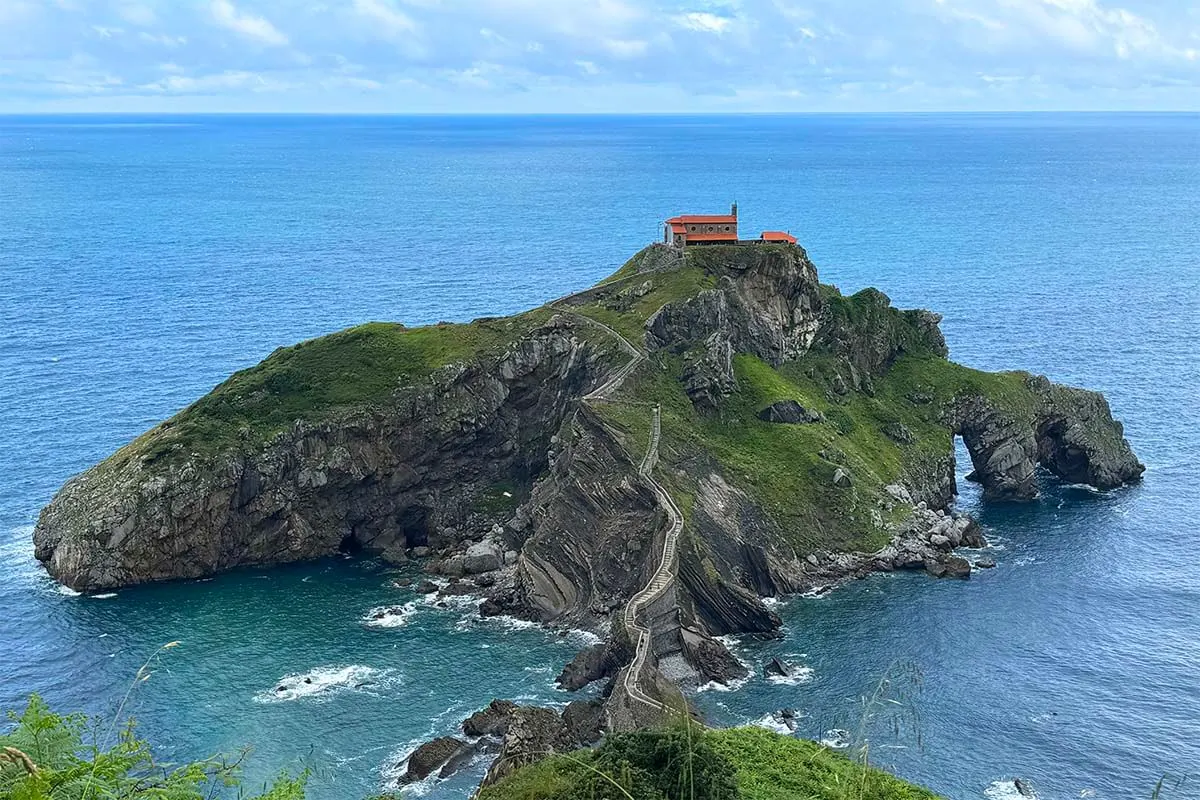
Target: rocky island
column 647, row 459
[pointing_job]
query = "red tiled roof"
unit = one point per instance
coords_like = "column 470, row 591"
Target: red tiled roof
column 712, row 237
column 702, row 219
column 677, row 227
column 778, row 236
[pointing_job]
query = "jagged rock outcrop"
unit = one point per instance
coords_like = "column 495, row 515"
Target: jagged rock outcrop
column 490, row 721
column 586, row 537
column 1066, row 430
column 433, row 756
column 532, row 733
column 789, row 412
column 708, row 372
column 602, row 660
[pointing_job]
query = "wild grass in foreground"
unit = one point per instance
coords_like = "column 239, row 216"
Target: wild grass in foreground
column 47, row 756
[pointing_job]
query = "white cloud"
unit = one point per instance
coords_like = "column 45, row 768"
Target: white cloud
column 626, row 48
column 704, row 22
column 383, row 13
column 693, row 54
column 254, row 27
column 216, row 82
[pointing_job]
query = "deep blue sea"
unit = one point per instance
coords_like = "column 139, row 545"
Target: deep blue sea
column 143, row 259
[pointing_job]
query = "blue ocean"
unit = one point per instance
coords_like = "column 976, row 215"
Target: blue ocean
column 143, row 259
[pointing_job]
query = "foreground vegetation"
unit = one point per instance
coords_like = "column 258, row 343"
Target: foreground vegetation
column 51, row 757
column 688, row 763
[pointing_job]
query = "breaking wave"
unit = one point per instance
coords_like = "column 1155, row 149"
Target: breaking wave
column 325, row 680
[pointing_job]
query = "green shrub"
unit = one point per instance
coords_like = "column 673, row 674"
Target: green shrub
column 46, row 757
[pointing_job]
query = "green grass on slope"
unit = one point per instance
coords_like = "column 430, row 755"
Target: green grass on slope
column 627, row 313
column 774, row 767
column 788, row 469
column 354, row 368
column 764, row 765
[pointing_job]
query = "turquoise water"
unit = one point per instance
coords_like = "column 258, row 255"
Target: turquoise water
column 143, row 259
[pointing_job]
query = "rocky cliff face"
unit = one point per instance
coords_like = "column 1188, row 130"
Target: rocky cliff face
column 416, row 470
column 807, row 436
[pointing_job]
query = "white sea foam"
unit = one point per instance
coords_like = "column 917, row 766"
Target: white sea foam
column 797, row 675
column 732, row 686
column 502, row 621
column 773, row 722
column 105, row 596
column 67, row 590
column 325, row 680
column 836, row 738
column 1006, row 790
column 583, row 638
column 390, row 616
column 818, row 591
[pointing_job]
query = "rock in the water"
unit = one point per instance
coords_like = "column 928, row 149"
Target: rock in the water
column 483, row 556
column 789, row 412
column 776, row 667
column 711, row 659
column 972, row 536
column 429, row 757
column 426, row 587
column 592, row 663
column 490, row 721
column 952, row 567
column 1023, row 788
column 986, row 562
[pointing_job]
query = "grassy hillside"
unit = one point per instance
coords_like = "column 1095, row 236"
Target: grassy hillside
column 733, row 764
column 354, row 368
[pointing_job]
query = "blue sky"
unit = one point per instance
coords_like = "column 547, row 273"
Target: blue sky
column 597, row 55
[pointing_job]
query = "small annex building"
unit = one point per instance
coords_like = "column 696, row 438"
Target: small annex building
column 700, row 229
column 778, row 236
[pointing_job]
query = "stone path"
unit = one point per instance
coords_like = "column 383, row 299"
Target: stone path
column 664, row 574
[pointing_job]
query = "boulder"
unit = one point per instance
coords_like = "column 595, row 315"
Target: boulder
column 789, row 412
column 898, row 432
column 426, row 587
column 585, row 721
column 490, row 608
column 986, row 562
column 776, row 667
column 394, row 555
column 483, row 556
column 490, row 721
column 592, row 663
column 952, row 567
column 430, row 756
column 972, row 535
column 841, row 478
column 453, row 566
